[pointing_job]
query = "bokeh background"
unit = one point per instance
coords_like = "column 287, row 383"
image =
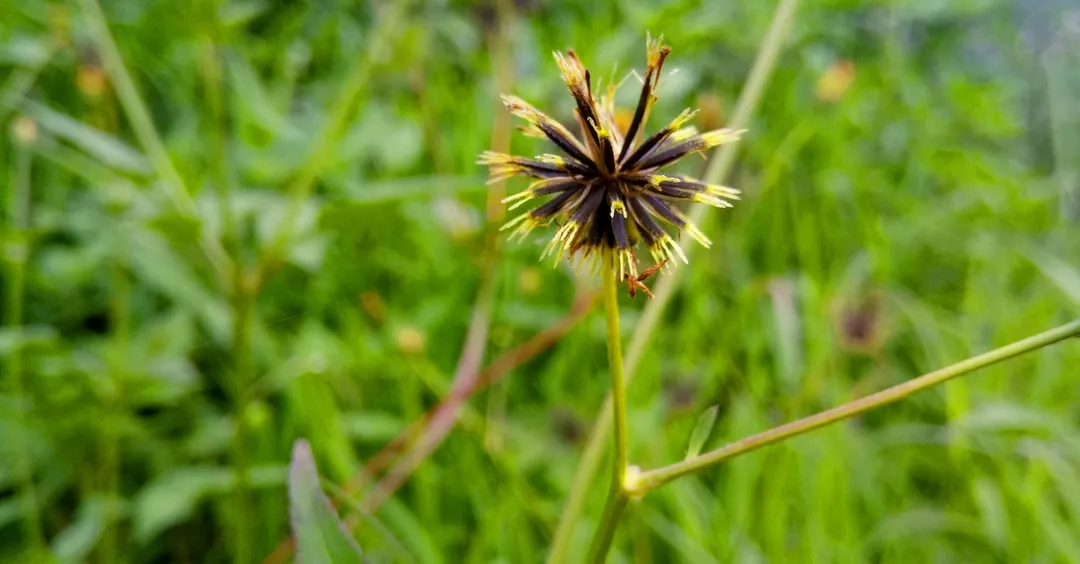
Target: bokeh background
column 198, row 270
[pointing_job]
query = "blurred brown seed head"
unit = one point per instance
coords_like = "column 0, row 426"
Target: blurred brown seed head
column 860, row 323
column 567, row 425
column 24, row 130
column 835, row 81
column 681, row 394
column 410, row 340
column 90, row 78
column 373, row 306
column 711, row 111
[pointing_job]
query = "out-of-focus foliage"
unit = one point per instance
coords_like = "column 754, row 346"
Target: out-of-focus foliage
column 910, row 199
column 321, row 537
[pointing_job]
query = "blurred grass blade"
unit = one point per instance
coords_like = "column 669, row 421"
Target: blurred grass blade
column 705, row 425
column 20, row 80
column 320, row 535
column 106, row 148
column 75, row 543
column 174, row 497
column 156, row 264
column 1061, row 63
column 1064, row 275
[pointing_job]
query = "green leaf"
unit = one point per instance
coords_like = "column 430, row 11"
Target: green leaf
column 702, row 431
column 78, row 539
column 173, row 497
column 1064, row 275
column 321, row 537
column 107, row 148
column 156, row 264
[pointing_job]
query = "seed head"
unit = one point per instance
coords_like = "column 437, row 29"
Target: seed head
column 605, row 188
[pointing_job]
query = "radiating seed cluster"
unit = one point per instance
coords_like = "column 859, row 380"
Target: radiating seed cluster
column 606, row 188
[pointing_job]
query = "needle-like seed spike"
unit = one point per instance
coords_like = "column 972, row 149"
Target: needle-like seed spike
column 605, row 186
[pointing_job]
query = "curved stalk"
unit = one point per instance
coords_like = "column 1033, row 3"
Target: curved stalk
column 655, row 478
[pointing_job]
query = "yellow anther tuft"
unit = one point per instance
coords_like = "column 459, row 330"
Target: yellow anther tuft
column 552, row 160
column 617, row 206
column 657, row 179
column 682, row 118
column 721, row 136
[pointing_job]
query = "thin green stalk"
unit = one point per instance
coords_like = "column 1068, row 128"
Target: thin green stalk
column 218, row 126
column 322, row 151
column 244, row 288
column 610, row 292
column 19, row 82
column 102, row 114
column 616, row 501
column 113, row 403
column 719, row 168
column 148, row 135
column 243, row 513
column 655, row 478
column 15, row 253
column 1060, row 65
column 609, row 522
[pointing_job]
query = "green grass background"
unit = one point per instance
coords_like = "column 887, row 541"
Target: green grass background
column 926, row 215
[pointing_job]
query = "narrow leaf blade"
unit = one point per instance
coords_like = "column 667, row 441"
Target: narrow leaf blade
column 702, row 431
column 321, row 537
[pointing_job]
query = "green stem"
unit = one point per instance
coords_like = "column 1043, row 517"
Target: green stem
column 19, row 83
column 148, row 135
column 243, row 310
column 719, row 168
column 655, row 478
column 610, row 292
column 113, row 402
column 218, row 127
column 15, row 253
column 616, row 501
column 609, row 521
column 323, row 147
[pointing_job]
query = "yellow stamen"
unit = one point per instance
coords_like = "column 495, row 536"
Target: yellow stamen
column 519, row 199
column 674, row 247
column 682, row 118
column 652, row 49
column 601, row 132
column 567, row 233
column 657, row 179
column 514, row 222
column 683, row 134
column 721, row 136
column 710, row 199
column 723, row 191
column 696, row 235
column 555, row 160
column 618, row 206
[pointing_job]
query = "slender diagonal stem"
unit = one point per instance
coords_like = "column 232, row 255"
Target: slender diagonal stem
column 609, row 522
column 19, row 82
column 719, row 167
column 323, row 145
column 148, row 136
column 14, row 255
column 655, row 478
column 244, row 517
